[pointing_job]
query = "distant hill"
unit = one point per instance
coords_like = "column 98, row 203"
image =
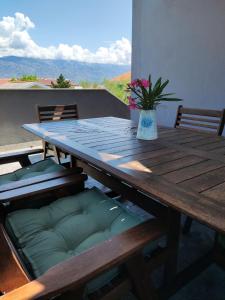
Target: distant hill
column 12, row 66
column 123, row 77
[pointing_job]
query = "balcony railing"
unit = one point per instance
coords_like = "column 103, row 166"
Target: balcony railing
column 18, row 107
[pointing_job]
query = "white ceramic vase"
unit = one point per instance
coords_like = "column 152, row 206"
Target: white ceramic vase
column 147, row 126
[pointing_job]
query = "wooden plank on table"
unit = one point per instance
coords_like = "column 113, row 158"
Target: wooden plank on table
column 192, row 171
column 212, row 146
column 88, row 140
column 167, row 156
column 203, row 141
column 103, row 144
column 156, row 154
column 205, row 181
column 109, row 145
column 131, row 146
column 211, row 155
column 177, row 164
column 131, row 151
column 218, row 151
column 190, row 139
column 171, row 135
column 93, row 136
column 217, row 193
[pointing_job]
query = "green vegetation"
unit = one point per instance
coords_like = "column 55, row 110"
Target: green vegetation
column 61, row 83
column 89, row 85
column 117, row 88
column 25, row 78
column 36, row 86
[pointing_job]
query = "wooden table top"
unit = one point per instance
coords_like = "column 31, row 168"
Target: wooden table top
column 183, row 169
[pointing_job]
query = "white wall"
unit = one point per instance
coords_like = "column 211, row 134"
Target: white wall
column 184, row 41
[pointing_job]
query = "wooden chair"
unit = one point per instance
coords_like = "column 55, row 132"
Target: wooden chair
column 56, row 113
column 21, row 156
column 69, row 278
column 205, row 120
column 45, row 174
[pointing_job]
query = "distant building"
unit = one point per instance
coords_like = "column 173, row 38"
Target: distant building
column 123, row 77
column 42, row 83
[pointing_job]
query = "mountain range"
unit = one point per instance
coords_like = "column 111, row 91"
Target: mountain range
column 13, row 66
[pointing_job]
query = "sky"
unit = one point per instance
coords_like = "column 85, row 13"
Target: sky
column 83, row 30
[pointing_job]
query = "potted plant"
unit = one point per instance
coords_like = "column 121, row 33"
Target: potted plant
column 145, row 97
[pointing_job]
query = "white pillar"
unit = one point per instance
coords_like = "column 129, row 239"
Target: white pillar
column 183, row 41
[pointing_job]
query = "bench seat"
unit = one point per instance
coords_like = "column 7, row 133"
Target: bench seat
column 42, row 167
column 66, row 228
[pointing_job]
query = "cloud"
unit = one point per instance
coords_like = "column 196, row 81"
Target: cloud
column 16, row 40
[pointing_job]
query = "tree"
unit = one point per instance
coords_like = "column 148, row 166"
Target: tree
column 61, row 83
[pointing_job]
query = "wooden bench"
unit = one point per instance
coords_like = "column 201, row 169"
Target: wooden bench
column 21, row 156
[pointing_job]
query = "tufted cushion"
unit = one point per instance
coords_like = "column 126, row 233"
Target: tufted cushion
column 221, row 240
column 39, row 168
column 67, row 227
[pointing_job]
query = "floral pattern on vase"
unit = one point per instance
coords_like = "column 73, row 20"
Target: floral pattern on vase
column 147, row 126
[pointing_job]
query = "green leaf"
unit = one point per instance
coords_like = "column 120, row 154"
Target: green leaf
column 169, row 99
column 164, row 95
column 163, row 86
column 157, row 84
column 150, row 81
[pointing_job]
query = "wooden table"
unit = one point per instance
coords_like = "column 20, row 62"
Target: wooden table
column 183, row 169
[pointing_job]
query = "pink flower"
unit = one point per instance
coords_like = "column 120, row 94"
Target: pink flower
column 145, row 83
column 134, row 83
column 139, row 83
column 132, row 103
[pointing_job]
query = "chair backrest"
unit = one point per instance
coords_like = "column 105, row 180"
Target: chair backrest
column 57, row 112
column 206, row 120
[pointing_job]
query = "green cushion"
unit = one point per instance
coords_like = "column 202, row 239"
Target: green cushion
column 221, row 240
column 67, row 227
column 39, row 168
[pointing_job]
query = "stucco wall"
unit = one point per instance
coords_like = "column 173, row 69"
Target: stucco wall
column 18, row 107
column 184, row 41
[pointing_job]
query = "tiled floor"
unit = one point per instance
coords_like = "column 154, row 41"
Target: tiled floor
column 210, row 285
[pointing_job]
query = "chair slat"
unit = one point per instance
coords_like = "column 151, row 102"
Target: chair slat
column 208, row 119
column 52, row 107
column 50, row 112
column 201, row 112
column 57, row 112
column 216, row 121
column 58, row 117
column 197, row 124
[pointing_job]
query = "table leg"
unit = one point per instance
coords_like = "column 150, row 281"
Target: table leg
column 73, row 162
column 173, row 238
